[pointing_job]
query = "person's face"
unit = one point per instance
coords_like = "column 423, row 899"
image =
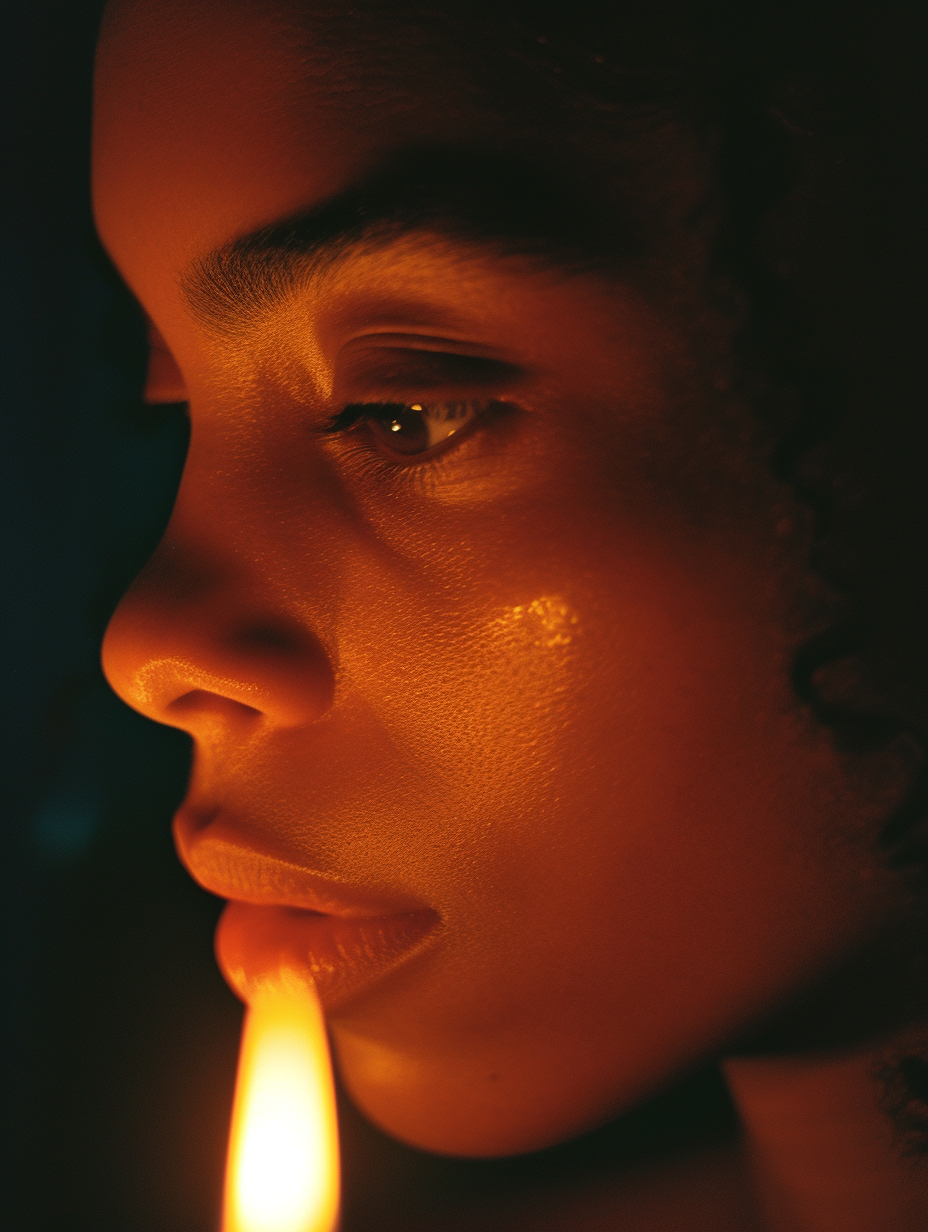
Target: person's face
column 512, row 711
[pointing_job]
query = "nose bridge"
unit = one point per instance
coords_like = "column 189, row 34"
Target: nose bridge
column 204, row 635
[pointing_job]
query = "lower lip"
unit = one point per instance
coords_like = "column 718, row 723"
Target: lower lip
column 341, row 956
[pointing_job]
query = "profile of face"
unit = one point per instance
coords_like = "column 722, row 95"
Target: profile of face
column 479, row 598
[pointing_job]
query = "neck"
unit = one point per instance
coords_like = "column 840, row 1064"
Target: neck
column 825, row 1155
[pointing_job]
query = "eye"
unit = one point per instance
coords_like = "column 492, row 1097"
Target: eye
column 412, row 428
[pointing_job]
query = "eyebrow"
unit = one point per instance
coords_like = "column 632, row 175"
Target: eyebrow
column 485, row 198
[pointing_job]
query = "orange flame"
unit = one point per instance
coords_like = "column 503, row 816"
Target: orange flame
column 282, row 1173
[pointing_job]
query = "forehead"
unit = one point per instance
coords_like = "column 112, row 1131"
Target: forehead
column 214, row 118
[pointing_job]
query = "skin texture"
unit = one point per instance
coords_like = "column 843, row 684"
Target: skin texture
column 536, row 683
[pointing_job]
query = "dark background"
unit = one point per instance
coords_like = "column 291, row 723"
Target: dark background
column 119, row 1037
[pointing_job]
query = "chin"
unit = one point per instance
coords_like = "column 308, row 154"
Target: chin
column 471, row 1110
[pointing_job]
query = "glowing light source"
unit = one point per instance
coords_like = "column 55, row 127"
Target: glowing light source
column 282, row 1173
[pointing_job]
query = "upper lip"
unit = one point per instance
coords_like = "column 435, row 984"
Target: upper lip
column 237, row 870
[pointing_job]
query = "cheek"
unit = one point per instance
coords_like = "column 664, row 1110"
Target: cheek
column 479, row 701
column 628, row 829
column 614, row 680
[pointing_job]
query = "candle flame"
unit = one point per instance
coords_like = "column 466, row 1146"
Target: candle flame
column 282, row 1172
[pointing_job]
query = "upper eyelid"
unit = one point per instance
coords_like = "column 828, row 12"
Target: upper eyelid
column 426, row 368
column 415, row 340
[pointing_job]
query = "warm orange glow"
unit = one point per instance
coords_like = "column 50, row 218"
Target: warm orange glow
column 282, row 1172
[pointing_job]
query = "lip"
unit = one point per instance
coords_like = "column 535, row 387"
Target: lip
column 286, row 922
column 258, row 945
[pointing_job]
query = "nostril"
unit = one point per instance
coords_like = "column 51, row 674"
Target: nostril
column 201, row 702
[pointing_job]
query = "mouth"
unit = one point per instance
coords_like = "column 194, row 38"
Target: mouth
column 286, row 922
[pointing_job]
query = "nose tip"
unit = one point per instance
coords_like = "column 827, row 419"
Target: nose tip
column 210, row 661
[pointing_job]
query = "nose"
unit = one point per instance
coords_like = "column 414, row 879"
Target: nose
column 198, row 645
